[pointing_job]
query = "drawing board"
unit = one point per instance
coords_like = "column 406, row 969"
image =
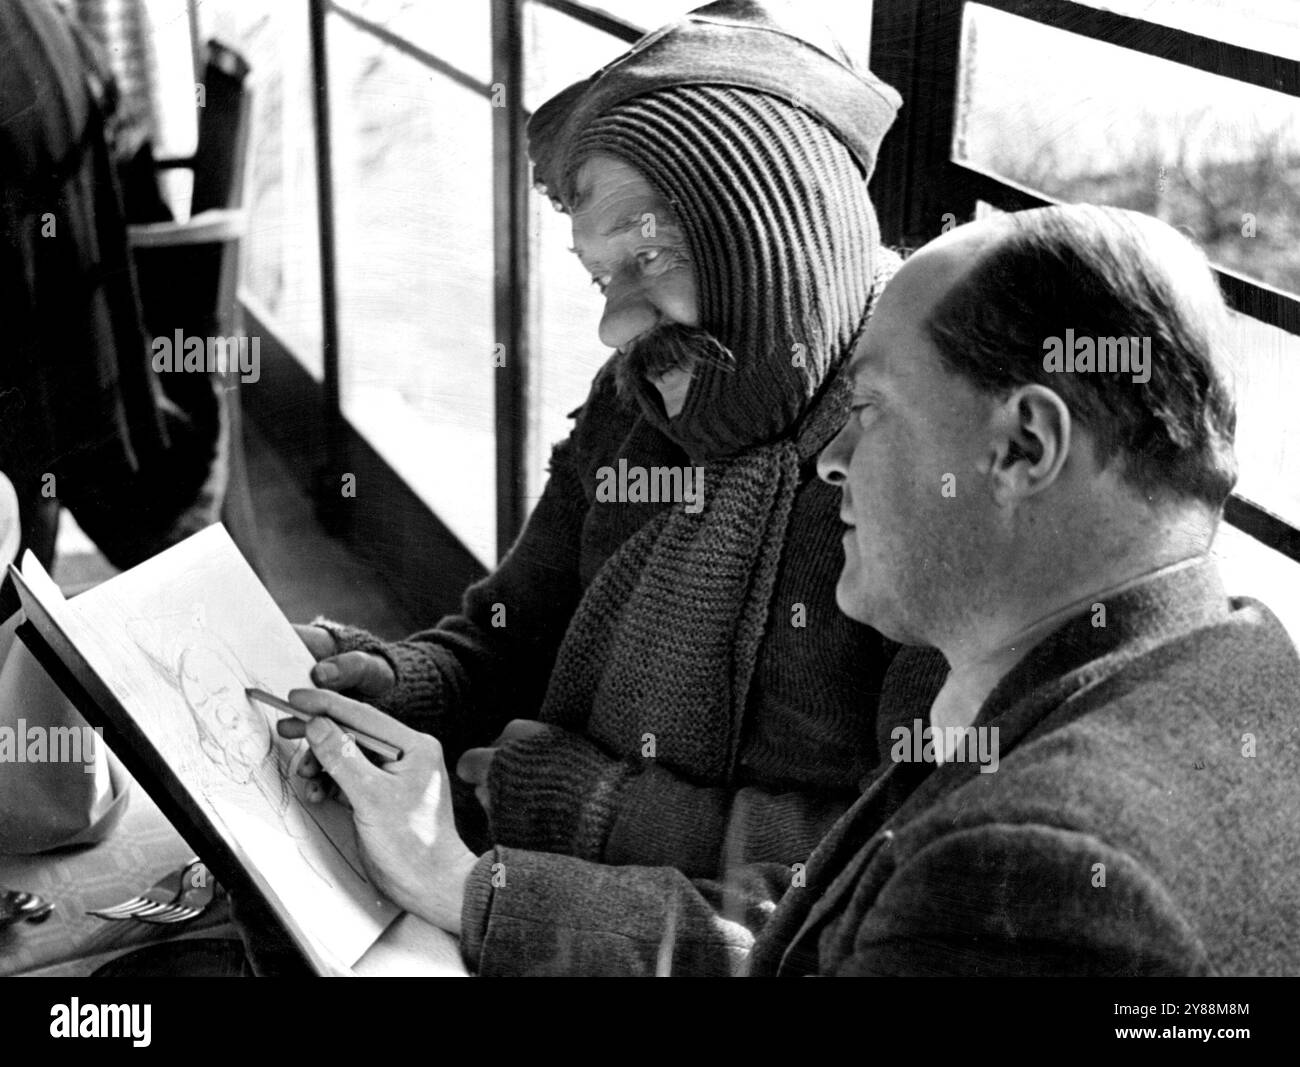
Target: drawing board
column 164, row 653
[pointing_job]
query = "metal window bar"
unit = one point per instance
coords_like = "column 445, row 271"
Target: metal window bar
column 331, row 415
column 1164, row 42
column 596, row 18
column 1250, row 297
column 512, row 304
column 1262, row 301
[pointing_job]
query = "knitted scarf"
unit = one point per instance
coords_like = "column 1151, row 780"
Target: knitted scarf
column 786, row 253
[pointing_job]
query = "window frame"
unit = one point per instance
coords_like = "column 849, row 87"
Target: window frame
column 512, row 296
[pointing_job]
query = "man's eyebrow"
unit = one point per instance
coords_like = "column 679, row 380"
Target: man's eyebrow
column 636, row 219
column 633, row 221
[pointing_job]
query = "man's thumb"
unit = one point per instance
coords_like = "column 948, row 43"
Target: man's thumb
column 361, row 672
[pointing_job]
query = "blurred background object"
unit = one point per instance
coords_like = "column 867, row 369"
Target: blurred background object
column 152, row 54
column 83, row 422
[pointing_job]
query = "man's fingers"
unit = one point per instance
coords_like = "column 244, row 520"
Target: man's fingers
column 341, row 759
column 362, row 672
column 308, row 765
column 293, row 729
column 474, row 765
column 317, row 785
column 318, row 790
column 355, row 715
column 319, row 641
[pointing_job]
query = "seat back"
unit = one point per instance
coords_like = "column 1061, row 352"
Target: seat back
column 221, row 157
column 191, row 283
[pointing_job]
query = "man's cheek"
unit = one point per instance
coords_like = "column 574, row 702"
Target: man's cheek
column 850, row 587
column 848, row 590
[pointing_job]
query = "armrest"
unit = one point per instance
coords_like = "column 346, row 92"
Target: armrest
column 207, row 227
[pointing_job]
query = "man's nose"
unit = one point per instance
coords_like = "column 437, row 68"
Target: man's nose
column 833, row 462
column 629, row 312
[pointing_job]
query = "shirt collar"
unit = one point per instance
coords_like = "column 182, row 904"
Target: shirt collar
column 968, row 686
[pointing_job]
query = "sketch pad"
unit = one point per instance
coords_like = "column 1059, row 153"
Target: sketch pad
column 160, row 656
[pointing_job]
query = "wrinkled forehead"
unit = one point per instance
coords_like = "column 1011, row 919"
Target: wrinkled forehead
column 600, row 177
column 613, row 197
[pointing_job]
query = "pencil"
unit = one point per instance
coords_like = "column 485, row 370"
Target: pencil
column 379, row 748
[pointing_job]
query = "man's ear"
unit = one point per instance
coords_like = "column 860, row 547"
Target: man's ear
column 1032, row 440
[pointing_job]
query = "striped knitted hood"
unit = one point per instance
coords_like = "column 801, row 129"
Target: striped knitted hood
column 783, row 240
column 770, row 187
column 772, row 47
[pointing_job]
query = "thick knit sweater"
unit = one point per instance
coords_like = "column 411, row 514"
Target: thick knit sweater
column 808, row 735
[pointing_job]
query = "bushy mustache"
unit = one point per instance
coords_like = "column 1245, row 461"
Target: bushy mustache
column 669, row 346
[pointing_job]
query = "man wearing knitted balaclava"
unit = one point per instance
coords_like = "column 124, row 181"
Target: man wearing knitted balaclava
column 679, row 694
column 762, row 202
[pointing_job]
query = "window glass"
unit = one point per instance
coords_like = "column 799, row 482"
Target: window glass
column 1267, row 364
column 456, row 33
column 566, row 352
column 281, row 255
column 413, row 218
column 1078, row 119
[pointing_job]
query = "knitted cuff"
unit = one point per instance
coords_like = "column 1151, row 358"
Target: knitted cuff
column 555, row 792
column 665, row 822
column 476, row 908
column 418, row 692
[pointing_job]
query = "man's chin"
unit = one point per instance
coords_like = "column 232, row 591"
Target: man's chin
column 852, row 600
column 871, row 609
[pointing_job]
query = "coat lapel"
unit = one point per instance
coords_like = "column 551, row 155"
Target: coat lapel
column 831, row 868
column 1035, row 698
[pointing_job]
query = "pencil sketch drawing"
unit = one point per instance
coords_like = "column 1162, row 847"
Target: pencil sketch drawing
column 235, row 735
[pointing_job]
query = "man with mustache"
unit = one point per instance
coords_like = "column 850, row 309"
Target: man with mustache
column 640, row 682
column 1140, row 819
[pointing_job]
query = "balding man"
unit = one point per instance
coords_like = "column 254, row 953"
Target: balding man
column 1105, row 784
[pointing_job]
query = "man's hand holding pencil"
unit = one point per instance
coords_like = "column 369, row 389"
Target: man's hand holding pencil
column 402, row 808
